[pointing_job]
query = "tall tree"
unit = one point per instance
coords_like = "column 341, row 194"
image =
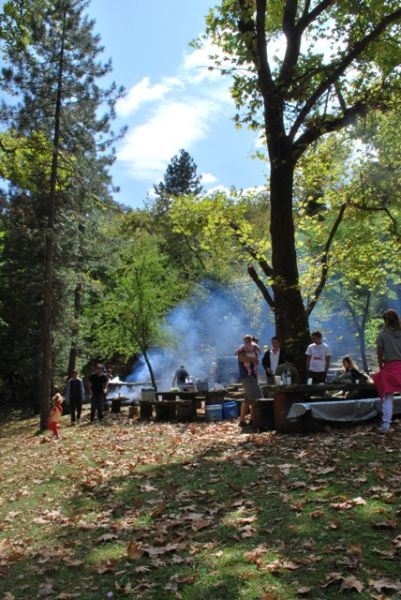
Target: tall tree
column 180, row 179
column 142, row 287
column 296, row 90
column 53, row 77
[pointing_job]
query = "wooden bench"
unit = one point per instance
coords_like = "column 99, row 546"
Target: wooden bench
column 168, row 410
column 178, row 405
column 209, row 397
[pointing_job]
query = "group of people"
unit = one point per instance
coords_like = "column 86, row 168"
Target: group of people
column 277, row 362
column 75, row 397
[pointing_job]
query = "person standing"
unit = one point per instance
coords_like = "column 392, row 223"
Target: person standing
column 250, row 347
column 272, row 358
column 248, row 366
column 181, row 377
column 318, row 356
column 388, row 379
column 97, row 389
column 75, row 396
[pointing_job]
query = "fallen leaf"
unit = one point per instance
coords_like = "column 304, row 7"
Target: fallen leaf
column 354, row 550
column 385, row 584
column 134, row 550
column 106, row 537
column 159, row 510
column 385, row 524
column 351, row 583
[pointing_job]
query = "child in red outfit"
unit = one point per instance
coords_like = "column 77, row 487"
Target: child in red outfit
column 55, row 414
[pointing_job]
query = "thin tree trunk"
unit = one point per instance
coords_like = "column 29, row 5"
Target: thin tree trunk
column 362, row 335
column 72, row 362
column 48, row 276
column 360, row 327
column 150, row 369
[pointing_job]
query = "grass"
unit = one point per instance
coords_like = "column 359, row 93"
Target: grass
column 126, row 509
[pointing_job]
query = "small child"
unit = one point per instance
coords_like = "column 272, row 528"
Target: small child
column 55, row 414
column 251, row 349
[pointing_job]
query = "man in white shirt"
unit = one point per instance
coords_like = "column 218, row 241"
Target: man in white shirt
column 318, row 355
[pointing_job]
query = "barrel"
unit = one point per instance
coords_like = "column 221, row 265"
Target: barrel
column 148, row 394
column 230, row 409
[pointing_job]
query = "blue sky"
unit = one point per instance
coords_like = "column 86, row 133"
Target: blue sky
column 172, row 101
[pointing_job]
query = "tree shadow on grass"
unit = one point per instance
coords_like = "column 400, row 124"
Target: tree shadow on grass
column 244, row 517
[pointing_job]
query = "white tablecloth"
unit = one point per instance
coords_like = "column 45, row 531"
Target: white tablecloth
column 341, row 410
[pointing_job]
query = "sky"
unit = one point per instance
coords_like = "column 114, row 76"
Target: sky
column 172, row 100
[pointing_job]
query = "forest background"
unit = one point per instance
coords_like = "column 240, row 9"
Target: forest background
column 85, row 279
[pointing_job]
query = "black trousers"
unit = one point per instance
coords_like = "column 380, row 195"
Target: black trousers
column 76, row 409
column 317, row 377
column 97, row 404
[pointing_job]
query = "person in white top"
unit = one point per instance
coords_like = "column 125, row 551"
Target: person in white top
column 318, row 355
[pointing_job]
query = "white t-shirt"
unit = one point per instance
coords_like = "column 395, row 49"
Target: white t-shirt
column 318, row 354
column 274, row 356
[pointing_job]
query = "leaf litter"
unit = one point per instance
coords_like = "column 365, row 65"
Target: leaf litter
column 161, row 505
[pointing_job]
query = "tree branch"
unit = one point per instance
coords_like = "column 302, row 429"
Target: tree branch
column 264, row 265
column 338, row 69
column 260, row 56
column 308, row 17
column 340, row 97
column 293, row 32
column 326, row 125
column 263, row 289
column 324, row 261
column 293, row 35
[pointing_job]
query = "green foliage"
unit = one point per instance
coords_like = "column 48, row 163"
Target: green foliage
column 180, row 179
column 54, row 157
column 143, row 287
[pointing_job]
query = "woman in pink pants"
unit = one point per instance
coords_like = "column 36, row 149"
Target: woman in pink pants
column 388, row 379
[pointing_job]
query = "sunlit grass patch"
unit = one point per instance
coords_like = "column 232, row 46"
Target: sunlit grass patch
column 106, row 552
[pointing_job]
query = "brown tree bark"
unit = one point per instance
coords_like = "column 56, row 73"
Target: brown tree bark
column 290, row 314
column 45, row 386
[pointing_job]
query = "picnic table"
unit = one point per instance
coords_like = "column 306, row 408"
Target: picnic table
column 178, row 405
column 284, row 396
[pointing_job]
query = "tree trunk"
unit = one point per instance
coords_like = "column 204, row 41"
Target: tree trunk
column 290, row 315
column 150, row 369
column 72, row 362
column 47, row 314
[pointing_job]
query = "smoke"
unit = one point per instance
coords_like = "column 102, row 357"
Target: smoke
column 209, row 326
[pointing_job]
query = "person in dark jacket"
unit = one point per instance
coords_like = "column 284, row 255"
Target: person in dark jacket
column 97, row 389
column 75, row 396
column 272, row 358
column 180, row 377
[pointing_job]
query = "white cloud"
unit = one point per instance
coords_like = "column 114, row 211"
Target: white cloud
column 183, row 112
column 148, row 148
column 196, row 64
column 143, row 92
column 208, row 178
column 219, row 189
